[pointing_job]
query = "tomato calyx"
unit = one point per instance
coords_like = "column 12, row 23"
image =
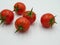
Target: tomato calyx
column 16, row 9
column 2, row 19
column 19, row 28
column 30, row 13
column 52, row 22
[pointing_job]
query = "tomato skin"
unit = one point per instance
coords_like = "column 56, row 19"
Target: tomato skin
column 31, row 18
column 22, row 22
column 8, row 14
column 21, row 8
column 45, row 20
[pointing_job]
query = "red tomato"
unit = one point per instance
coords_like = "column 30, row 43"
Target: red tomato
column 7, row 16
column 22, row 24
column 30, row 15
column 47, row 20
column 19, row 8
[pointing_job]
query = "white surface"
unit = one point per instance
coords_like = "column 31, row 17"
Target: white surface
column 37, row 35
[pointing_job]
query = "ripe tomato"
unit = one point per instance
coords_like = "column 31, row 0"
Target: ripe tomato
column 6, row 16
column 30, row 15
column 47, row 20
column 19, row 8
column 22, row 24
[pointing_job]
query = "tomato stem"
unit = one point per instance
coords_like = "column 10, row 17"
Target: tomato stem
column 16, row 9
column 16, row 31
column 2, row 19
column 19, row 28
column 52, row 21
column 30, row 13
column 55, row 22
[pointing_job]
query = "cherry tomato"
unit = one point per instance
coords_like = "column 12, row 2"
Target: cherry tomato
column 19, row 8
column 22, row 24
column 6, row 16
column 47, row 20
column 30, row 15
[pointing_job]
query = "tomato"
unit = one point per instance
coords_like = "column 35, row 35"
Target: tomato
column 30, row 15
column 6, row 16
column 19, row 8
column 22, row 24
column 47, row 20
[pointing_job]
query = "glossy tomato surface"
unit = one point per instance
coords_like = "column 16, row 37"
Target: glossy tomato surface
column 7, row 16
column 47, row 20
column 22, row 24
column 19, row 8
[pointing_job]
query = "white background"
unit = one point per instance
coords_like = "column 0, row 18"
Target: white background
column 37, row 35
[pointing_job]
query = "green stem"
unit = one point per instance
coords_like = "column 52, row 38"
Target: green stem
column 19, row 28
column 55, row 22
column 1, row 19
column 16, row 9
column 52, row 21
column 30, row 13
column 16, row 31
